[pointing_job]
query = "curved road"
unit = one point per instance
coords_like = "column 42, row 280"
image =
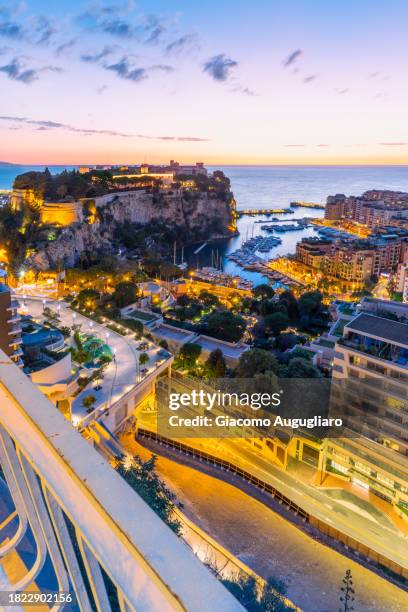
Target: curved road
column 270, row 544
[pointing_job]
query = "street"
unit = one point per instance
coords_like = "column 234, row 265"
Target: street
column 120, row 376
column 268, row 543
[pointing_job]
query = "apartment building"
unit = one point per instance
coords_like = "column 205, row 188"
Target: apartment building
column 370, row 391
column 401, row 280
column 352, row 260
column 369, row 209
column 311, row 251
column 10, row 328
column 346, row 263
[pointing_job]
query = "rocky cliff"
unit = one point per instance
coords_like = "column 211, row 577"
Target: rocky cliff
column 191, row 215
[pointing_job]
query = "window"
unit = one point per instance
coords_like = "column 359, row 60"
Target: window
column 385, row 480
column 393, row 417
column 362, row 467
column 376, row 367
column 339, row 467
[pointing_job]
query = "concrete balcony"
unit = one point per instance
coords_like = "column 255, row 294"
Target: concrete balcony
column 71, row 503
column 14, row 305
column 16, row 329
column 16, row 341
column 15, row 318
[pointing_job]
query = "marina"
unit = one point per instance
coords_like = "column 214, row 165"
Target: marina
column 218, row 277
column 277, row 220
column 331, row 232
column 230, row 255
column 288, row 227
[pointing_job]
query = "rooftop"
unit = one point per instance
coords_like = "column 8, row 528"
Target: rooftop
column 379, row 327
column 230, row 350
column 172, row 333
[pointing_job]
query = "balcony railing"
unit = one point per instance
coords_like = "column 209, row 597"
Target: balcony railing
column 104, row 544
column 385, row 352
column 16, row 329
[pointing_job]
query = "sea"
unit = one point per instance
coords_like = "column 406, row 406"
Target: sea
column 270, row 187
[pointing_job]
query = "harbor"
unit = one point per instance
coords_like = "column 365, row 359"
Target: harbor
column 240, row 256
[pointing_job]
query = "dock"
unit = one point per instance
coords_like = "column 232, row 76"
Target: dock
column 307, row 205
column 252, row 212
column 200, row 248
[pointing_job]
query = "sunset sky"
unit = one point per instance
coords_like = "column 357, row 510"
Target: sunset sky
column 226, row 81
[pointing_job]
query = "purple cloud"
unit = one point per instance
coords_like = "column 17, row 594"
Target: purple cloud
column 293, row 57
column 219, row 67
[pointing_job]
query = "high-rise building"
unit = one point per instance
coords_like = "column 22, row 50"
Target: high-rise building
column 10, row 328
column 372, row 360
column 370, row 390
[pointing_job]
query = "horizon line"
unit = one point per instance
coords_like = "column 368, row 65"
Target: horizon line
column 254, row 164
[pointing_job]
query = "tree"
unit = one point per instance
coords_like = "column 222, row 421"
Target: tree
column 142, row 477
column 125, row 293
column 88, row 402
column 143, row 358
column 208, row 299
column 78, row 351
column 189, row 353
column 256, row 361
column 310, row 302
column 276, row 322
column 215, row 365
column 87, row 298
column 286, row 341
column 290, row 302
column 348, row 592
column 300, row 368
column 226, row 326
column 183, row 300
column 263, row 292
column 265, row 382
column 301, row 353
column 164, row 344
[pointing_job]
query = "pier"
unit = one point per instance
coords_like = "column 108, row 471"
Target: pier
column 264, row 211
column 196, row 252
column 307, row 205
